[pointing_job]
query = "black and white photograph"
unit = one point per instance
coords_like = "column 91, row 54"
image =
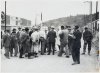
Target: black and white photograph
column 49, row 36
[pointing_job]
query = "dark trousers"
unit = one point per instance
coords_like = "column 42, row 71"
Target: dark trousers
column 6, row 51
column 21, row 52
column 51, row 45
column 89, row 46
column 76, row 55
column 15, row 49
column 70, row 47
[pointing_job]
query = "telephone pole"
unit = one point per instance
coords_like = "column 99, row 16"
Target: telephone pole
column 5, row 15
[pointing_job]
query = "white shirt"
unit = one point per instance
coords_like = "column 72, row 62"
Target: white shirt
column 35, row 36
column 42, row 34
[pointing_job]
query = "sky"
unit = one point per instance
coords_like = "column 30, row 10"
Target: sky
column 51, row 9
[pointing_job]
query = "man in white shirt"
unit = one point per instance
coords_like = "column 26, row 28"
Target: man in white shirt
column 35, row 40
column 42, row 39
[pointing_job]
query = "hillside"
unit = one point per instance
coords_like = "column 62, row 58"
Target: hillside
column 80, row 20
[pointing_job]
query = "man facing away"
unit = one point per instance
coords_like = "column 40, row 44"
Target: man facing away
column 87, row 37
column 63, row 42
column 35, row 41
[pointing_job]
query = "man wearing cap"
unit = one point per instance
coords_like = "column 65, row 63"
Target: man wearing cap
column 6, row 43
column 76, row 45
column 87, row 37
column 14, row 43
column 51, row 40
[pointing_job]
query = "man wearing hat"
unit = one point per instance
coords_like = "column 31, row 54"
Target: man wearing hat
column 14, row 43
column 87, row 37
column 76, row 45
column 51, row 40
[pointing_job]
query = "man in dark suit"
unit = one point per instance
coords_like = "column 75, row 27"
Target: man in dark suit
column 14, row 43
column 76, row 45
column 51, row 37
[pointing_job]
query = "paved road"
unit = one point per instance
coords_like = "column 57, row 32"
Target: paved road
column 49, row 63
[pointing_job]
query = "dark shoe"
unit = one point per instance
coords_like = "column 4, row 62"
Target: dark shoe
column 35, row 56
column 74, row 63
column 15, row 56
column 21, row 57
column 7, row 57
column 83, row 53
column 26, row 55
column 89, row 54
column 30, row 58
column 67, row 56
column 48, row 54
column 78, row 63
column 59, row 56
column 11, row 55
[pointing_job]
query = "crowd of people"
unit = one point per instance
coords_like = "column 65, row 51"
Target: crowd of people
column 33, row 42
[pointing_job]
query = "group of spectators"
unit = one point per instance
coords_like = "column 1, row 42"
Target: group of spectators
column 33, row 42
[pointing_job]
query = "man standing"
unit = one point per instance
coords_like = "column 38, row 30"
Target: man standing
column 87, row 37
column 51, row 38
column 42, row 38
column 6, row 43
column 35, row 41
column 25, row 44
column 63, row 42
column 76, row 45
column 70, row 40
column 18, row 37
column 14, row 43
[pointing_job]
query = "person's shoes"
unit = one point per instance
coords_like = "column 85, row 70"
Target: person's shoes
column 7, row 57
column 74, row 63
column 11, row 55
column 89, row 54
column 48, row 54
column 78, row 62
column 26, row 55
column 59, row 56
column 83, row 53
column 21, row 57
column 36, row 56
column 15, row 56
column 67, row 56
column 30, row 58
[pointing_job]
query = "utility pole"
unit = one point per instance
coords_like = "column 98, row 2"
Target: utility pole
column 35, row 19
column 90, row 13
column 41, row 19
column 96, row 10
column 5, row 15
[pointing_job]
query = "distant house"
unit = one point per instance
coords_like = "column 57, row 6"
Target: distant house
column 15, row 22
